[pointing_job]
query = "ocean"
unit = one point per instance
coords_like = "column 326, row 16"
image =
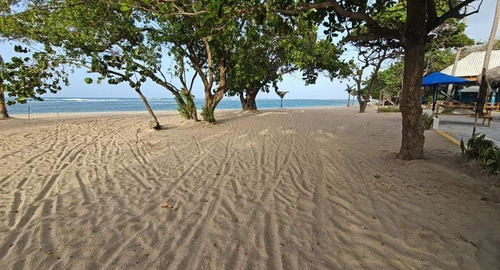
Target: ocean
column 84, row 105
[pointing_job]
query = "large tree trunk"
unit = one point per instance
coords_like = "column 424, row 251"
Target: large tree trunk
column 3, row 108
column 348, row 99
column 194, row 113
column 154, row 124
column 211, row 102
column 362, row 106
column 362, row 103
column 247, row 99
column 412, row 144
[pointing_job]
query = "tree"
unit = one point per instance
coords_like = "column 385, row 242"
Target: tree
column 389, row 80
column 274, row 47
column 95, row 35
column 413, row 32
column 26, row 78
column 349, row 89
column 262, row 56
column 111, row 39
column 116, row 69
column 202, row 32
column 27, row 75
column 281, row 94
column 370, row 55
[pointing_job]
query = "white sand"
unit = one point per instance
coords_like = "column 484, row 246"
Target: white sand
column 291, row 189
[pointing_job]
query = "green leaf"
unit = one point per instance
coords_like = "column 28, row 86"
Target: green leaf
column 88, row 80
column 490, row 162
column 125, row 7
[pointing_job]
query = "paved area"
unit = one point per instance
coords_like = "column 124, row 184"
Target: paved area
column 460, row 126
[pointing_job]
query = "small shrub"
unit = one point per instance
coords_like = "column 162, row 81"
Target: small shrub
column 388, row 109
column 188, row 109
column 447, row 111
column 483, row 150
column 427, row 120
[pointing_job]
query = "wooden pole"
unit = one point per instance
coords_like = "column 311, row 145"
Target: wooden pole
column 483, row 89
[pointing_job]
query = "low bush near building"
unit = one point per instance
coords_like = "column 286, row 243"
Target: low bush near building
column 483, row 150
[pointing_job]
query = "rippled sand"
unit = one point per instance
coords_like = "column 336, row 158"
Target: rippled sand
column 290, row 189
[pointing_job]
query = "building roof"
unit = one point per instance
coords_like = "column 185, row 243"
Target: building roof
column 471, row 65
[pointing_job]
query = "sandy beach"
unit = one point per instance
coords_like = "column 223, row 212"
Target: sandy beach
column 277, row 189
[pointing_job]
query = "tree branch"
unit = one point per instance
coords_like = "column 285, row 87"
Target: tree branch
column 209, row 61
column 196, row 64
column 452, row 13
column 431, row 10
column 374, row 27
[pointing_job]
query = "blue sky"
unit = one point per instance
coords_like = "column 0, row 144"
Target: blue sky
column 479, row 27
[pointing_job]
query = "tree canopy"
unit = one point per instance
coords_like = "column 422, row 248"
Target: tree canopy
column 364, row 20
column 207, row 34
column 27, row 76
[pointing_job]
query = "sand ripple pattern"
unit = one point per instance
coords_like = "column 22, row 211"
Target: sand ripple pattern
column 292, row 189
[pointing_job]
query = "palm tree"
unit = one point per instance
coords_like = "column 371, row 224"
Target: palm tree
column 349, row 90
column 281, row 94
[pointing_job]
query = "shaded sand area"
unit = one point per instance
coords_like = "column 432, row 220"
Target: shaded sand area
column 291, row 189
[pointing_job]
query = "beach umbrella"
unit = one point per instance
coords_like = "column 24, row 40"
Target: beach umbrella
column 437, row 78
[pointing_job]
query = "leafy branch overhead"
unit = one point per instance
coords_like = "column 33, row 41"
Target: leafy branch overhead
column 29, row 75
column 372, row 20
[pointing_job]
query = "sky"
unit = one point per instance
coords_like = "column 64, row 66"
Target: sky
column 478, row 27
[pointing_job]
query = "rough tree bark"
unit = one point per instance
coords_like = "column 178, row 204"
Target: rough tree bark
column 154, row 124
column 3, row 108
column 359, row 80
column 212, row 100
column 362, row 105
column 247, row 99
column 412, row 142
column 362, row 102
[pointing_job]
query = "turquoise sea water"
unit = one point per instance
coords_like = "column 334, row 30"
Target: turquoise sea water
column 82, row 105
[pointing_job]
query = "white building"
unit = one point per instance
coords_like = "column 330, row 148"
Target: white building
column 470, row 66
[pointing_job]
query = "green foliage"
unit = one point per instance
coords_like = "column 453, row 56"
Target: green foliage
column 28, row 75
column 115, row 39
column 208, row 114
column 437, row 59
column 389, row 80
column 447, row 111
column 388, row 109
column 427, row 120
column 483, row 150
column 281, row 94
column 350, row 89
column 187, row 108
column 268, row 49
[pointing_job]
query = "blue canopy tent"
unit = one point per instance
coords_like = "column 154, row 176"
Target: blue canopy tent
column 437, row 78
